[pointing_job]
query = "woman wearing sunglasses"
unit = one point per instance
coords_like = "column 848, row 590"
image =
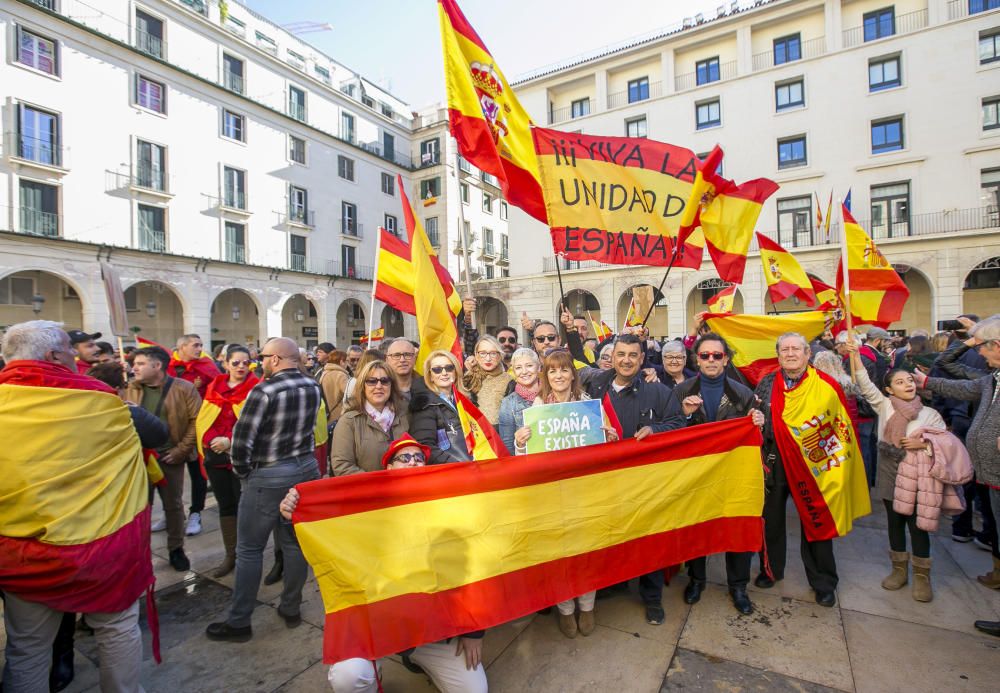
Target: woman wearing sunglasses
column 224, row 398
column 486, row 378
column 434, row 419
column 375, row 415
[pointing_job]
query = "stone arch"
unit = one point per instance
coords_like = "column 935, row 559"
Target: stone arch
column 491, row 314
column 300, row 320
column 235, row 317
column 918, row 313
column 392, row 322
column 981, row 288
column 155, row 310
column 697, row 298
column 61, row 299
column 352, row 322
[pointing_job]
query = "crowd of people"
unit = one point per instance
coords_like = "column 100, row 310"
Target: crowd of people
column 254, row 423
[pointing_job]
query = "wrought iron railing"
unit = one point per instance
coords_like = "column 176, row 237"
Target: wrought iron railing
column 621, row 98
column 807, row 49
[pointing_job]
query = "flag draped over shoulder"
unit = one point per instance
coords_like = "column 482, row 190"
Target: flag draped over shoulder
column 74, row 512
column 407, row 557
column 724, row 301
column 481, row 439
column 752, row 337
column 492, row 129
column 820, row 454
column 394, row 278
column 219, row 398
column 877, row 293
column 783, row 273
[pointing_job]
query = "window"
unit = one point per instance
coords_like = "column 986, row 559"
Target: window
column 977, row 6
column 322, row 73
column 635, row 127
column 504, row 272
column 431, row 227
column 36, row 51
column 39, row 208
column 707, row 71
column 152, row 228
column 580, row 108
column 463, row 190
column 16, row 291
column 388, row 146
column 990, row 183
column 795, row 222
column 390, row 224
column 345, row 167
column 349, row 218
column 150, row 165
column 489, row 271
column 463, row 164
column 887, row 135
column 989, row 47
column 297, row 103
column 296, row 60
column 38, row 136
column 487, row 203
column 367, row 101
column 787, row 49
column 235, row 245
column 890, row 210
column 234, row 189
column 233, row 126
column 386, row 110
column 720, row 169
column 348, row 259
column 708, row 114
column 638, row 89
column 430, row 188
column 792, row 152
column 298, row 204
column 789, row 95
column 883, row 73
column 149, row 34
column 504, row 247
column 879, row 23
column 489, row 178
column 488, row 241
column 150, row 94
column 232, row 73
column 347, row 127
column 430, row 152
column 297, row 252
column 991, row 113
column 503, row 210
column 388, row 184
column 266, row 43
column 297, row 149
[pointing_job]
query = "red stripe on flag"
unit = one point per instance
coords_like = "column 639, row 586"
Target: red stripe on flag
column 47, row 374
column 756, row 370
column 502, row 598
column 729, row 265
column 622, row 249
column 390, row 295
column 461, row 24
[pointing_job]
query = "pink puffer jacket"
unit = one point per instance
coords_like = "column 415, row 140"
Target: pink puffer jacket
column 932, row 484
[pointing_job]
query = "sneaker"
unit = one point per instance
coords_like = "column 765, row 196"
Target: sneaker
column 179, row 561
column 982, row 541
column 159, row 526
column 961, row 538
column 194, row 524
column 655, row 615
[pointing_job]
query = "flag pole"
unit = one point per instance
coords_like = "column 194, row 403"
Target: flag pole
column 562, row 291
column 371, row 307
column 471, row 320
column 659, row 289
column 847, row 286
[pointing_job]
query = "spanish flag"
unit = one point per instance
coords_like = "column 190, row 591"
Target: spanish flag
column 820, row 454
column 724, row 301
column 375, row 336
column 74, row 510
column 602, row 331
column 222, row 400
column 826, row 295
column 783, row 273
column 491, row 128
column 874, row 291
column 632, row 316
column 481, row 439
column 142, row 343
column 752, row 337
column 412, row 556
column 394, row 275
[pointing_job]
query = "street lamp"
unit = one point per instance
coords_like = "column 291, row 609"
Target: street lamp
column 151, row 309
column 236, row 313
column 37, row 301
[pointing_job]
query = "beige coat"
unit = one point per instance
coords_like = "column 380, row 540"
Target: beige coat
column 358, row 442
column 180, row 411
column 333, row 379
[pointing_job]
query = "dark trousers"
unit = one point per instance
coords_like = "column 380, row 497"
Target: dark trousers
column 651, row 588
column 226, row 487
column 868, row 442
column 898, row 524
column 817, row 556
column 737, row 568
column 199, row 487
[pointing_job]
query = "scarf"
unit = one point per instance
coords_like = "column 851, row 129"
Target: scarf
column 903, row 412
column 383, row 418
column 220, row 394
column 528, row 394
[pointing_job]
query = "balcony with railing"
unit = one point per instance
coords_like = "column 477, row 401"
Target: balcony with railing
column 549, row 264
column 149, row 44
column 808, row 49
column 45, row 152
column 621, row 98
column 957, row 9
column 233, row 82
column 504, row 258
column 903, row 24
column 152, row 240
column 149, row 178
column 487, row 251
column 430, row 159
column 297, row 262
column 199, row 6
column 351, row 227
column 235, row 252
column 395, row 156
column 557, row 115
column 337, row 269
column 689, row 80
column 38, row 222
column 297, row 111
column 47, row 4
column 299, row 217
column 234, row 200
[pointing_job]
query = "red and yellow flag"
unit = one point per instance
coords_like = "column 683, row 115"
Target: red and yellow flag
column 375, row 336
column 829, row 212
column 492, row 129
column 877, row 294
column 632, row 316
column 407, row 557
column 724, row 301
column 481, row 439
column 783, row 273
column 394, row 276
column 142, row 343
column 826, row 296
column 820, row 453
column 752, row 337
column 218, row 398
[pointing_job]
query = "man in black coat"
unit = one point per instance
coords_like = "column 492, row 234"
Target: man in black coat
column 707, row 397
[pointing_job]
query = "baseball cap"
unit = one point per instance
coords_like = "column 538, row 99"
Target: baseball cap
column 877, row 333
column 405, row 441
column 77, row 336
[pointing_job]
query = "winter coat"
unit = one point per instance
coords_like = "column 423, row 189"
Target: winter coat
column 490, row 394
column 435, row 423
column 358, row 443
column 737, row 400
column 931, row 484
column 179, row 411
column 983, row 438
column 637, row 405
column 511, row 418
column 333, row 381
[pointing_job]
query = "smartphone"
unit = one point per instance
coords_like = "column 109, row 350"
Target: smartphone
column 950, row 326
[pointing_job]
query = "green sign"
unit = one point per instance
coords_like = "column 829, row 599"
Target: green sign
column 564, row 426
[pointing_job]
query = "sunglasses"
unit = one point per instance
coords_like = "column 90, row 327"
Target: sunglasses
column 410, row 457
column 372, row 382
column 438, row 370
column 237, row 364
column 711, row 355
column 546, row 338
column 507, row 340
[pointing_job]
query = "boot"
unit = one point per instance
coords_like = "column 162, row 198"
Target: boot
column 900, row 568
column 992, row 578
column 567, row 624
column 922, row 579
column 227, row 527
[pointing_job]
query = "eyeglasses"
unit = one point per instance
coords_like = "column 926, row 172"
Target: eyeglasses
column 542, row 338
column 678, row 357
column 237, row 364
column 438, row 370
column 711, row 355
column 507, row 340
column 410, row 457
column 605, row 357
column 372, row 382
column 401, row 355
column 267, row 356
column 488, row 354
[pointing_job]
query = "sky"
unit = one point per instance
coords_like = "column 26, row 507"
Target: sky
column 396, row 43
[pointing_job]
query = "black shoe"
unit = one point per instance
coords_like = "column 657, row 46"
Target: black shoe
column 961, row 538
column 61, row 674
column 277, row 570
column 179, row 561
column 546, row 611
column 988, row 627
column 983, row 541
column 824, row 598
column 655, row 615
column 692, row 593
column 291, row 621
column 409, row 664
column 227, row 633
column 764, row 582
column 741, row 600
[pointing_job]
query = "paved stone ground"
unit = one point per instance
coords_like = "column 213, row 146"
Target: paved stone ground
column 872, row 640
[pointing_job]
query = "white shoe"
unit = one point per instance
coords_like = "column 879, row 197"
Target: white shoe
column 159, row 525
column 194, row 524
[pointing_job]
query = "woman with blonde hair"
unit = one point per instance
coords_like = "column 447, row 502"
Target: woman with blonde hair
column 434, row 418
column 486, row 378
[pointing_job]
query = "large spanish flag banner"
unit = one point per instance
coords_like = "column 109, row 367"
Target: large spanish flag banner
column 819, row 450
column 783, row 273
column 74, row 510
column 877, row 294
column 394, row 275
column 616, row 199
column 492, row 129
column 752, row 337
column 407, row 557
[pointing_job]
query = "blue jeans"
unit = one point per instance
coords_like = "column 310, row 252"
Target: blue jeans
column 869, row 449
column 256, row 518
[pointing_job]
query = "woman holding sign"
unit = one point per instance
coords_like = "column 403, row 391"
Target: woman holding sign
column 560, row 383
